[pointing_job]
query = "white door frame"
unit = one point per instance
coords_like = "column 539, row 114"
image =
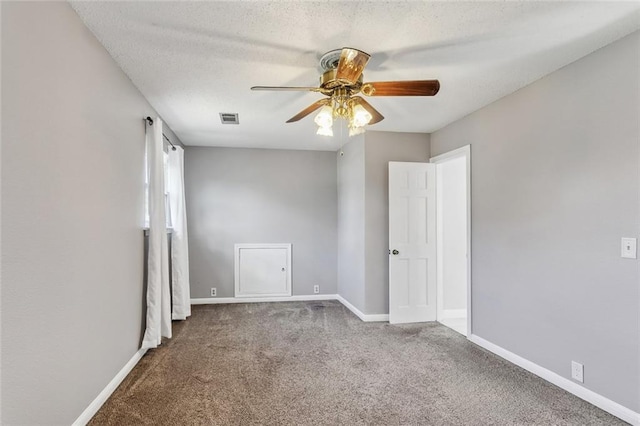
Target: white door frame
column 463, row 152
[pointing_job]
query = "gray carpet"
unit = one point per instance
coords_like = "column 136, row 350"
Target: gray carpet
column 307, row 363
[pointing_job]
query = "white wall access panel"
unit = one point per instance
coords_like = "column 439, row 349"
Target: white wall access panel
column 262, row 270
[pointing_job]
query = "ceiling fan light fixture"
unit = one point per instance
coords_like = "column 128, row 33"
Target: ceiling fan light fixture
column 341, row 82
column 324, row 119
column 361, row 117
column 353, row 131
column 324, row 131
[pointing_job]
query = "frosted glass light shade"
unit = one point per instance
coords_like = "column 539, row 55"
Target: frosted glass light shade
column 353, row 131
column 324, row 117
column 325, row 131
column 361, row 116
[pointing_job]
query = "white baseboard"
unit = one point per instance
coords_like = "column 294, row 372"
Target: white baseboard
column 224, row 300
column 102, row 397
column 364, row 317
column 598, row 400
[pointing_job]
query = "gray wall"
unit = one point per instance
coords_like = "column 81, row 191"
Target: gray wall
column 554, row 188
column 72, row 213
column 351, row 220
column 260, row 196
column 380, row 149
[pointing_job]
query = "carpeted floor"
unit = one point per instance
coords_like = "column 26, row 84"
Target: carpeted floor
column 304, row 363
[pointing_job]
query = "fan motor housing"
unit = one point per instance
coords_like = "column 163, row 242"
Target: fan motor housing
column 329, row 81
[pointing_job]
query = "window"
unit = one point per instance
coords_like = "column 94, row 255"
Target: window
column 167, row 204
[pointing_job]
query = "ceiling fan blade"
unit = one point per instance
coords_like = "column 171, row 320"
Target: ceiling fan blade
column 284, row 88
column 401, row 88
column 351, row 64
column 308, row 110
column 376, row 116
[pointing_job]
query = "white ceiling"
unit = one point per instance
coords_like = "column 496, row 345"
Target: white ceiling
column 193, row 60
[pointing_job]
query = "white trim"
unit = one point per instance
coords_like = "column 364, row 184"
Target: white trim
column 452, row 313
column 102, row 397
column 439, row 246
column 364, row 317
column 464, row 152
column 236, row 279
column 578, row 390
column 458, row 152
column 225, row 300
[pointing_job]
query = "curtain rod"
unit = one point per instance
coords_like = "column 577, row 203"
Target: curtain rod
column 150, row 121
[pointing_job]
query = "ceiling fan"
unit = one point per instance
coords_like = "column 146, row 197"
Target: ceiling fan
column 341, row 81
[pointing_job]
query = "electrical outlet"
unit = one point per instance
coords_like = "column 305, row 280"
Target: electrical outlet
column 577, row 371
column 214, row 292
column 316, row 289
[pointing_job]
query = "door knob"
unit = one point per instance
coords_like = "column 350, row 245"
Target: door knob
column 395, row 252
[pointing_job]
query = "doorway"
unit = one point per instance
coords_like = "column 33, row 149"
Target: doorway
column 453, row 236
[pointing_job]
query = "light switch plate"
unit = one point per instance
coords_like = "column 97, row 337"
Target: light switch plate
column 629, row 248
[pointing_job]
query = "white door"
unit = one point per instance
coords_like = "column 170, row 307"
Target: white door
column 412, row 242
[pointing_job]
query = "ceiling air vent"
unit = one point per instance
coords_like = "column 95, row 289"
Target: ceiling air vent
column 229, row 118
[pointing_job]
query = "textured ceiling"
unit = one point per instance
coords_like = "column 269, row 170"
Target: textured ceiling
column 193, row 60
